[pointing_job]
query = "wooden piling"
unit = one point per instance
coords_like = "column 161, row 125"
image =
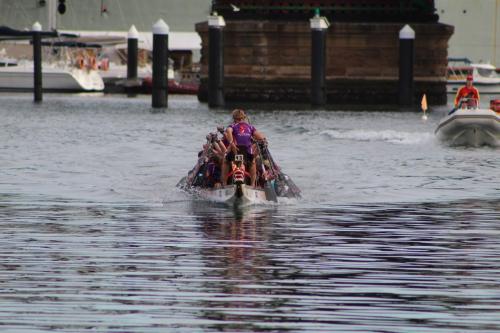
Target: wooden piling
column 216, row 61
column 37, row 61
column 160, row 64
column 132, row 52
column 406, row 62
column 319, row 26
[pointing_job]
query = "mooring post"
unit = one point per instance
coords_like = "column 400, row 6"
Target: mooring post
column 215, row 60
column 160, row 64
column 319, row 26
column 406, row 61
column 132, row 52
column 37, row 61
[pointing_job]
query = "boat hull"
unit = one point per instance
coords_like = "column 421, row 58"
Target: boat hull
column 21, row 78
column 232, row 195
column 472, row 128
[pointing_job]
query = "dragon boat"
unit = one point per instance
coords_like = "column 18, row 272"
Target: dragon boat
column 204, row 181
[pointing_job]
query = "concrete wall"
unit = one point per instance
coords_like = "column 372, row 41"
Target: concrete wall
column 477, row 28
column 180, row 15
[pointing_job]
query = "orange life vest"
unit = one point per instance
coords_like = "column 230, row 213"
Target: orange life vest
column 466, row 92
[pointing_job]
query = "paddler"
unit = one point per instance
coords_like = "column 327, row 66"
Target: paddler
column 239, row 137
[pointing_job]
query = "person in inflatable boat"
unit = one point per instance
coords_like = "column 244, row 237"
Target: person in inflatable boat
column 239, row 137
column 468, row 95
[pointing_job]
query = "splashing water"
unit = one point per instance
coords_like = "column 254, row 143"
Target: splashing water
column 391, row 136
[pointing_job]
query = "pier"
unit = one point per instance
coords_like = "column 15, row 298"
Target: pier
column 269, row 59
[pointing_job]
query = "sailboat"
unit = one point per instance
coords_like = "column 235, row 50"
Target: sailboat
column 19, row 76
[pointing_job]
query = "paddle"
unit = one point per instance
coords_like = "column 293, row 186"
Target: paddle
column 463, row 100
column 454, row 109
column 268, row 185
column 193, row 174
column 282, row 178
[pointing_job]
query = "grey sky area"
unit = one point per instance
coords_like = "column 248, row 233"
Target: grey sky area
column 476, row 21
column 180, row 15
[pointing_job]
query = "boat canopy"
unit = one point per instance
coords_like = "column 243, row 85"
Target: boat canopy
column 484, row 66
column 7, row 33
column 71, row 44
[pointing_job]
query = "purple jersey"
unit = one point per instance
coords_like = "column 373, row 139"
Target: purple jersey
column 242, row 134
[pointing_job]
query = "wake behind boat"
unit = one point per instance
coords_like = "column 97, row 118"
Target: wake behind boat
column 204, row 180
column 471, row 126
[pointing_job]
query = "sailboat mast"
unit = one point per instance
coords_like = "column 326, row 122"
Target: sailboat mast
column 52, row 15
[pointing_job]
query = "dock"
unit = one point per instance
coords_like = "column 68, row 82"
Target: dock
column 267, row 52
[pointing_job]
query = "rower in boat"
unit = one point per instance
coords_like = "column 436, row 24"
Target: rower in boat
column 240, row 136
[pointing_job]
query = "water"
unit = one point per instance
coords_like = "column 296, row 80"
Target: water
column 395, row 233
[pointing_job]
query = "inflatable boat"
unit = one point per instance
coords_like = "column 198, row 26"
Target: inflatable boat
column 470, row 126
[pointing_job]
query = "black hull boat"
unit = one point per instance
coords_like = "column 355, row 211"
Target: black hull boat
column 204, row 179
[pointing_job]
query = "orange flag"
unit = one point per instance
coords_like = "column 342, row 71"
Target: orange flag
column 424, row 103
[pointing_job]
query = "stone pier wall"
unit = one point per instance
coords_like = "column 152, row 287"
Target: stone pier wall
column 269, row 61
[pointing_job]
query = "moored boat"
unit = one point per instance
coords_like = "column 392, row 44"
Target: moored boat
column 484, row 75
column 204, row 180
column 54, row 77
column 471, row 126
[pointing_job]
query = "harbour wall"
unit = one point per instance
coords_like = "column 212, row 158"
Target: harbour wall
column 270, row 61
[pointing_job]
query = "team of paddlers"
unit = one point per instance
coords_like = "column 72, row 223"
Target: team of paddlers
column 238, row 148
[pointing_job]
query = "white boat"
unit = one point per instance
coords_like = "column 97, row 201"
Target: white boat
column 472, row 127
column 54, row 77
column 203, row 182
column 241, row 194
column 485, row 76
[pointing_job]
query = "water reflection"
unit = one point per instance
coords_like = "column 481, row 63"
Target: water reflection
column 362, row 269
column 238, row 268
column 174, row 268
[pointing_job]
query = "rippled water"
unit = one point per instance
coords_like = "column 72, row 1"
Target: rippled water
column 395, row 233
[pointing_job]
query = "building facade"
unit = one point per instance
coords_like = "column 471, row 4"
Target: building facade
column 477, row 28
